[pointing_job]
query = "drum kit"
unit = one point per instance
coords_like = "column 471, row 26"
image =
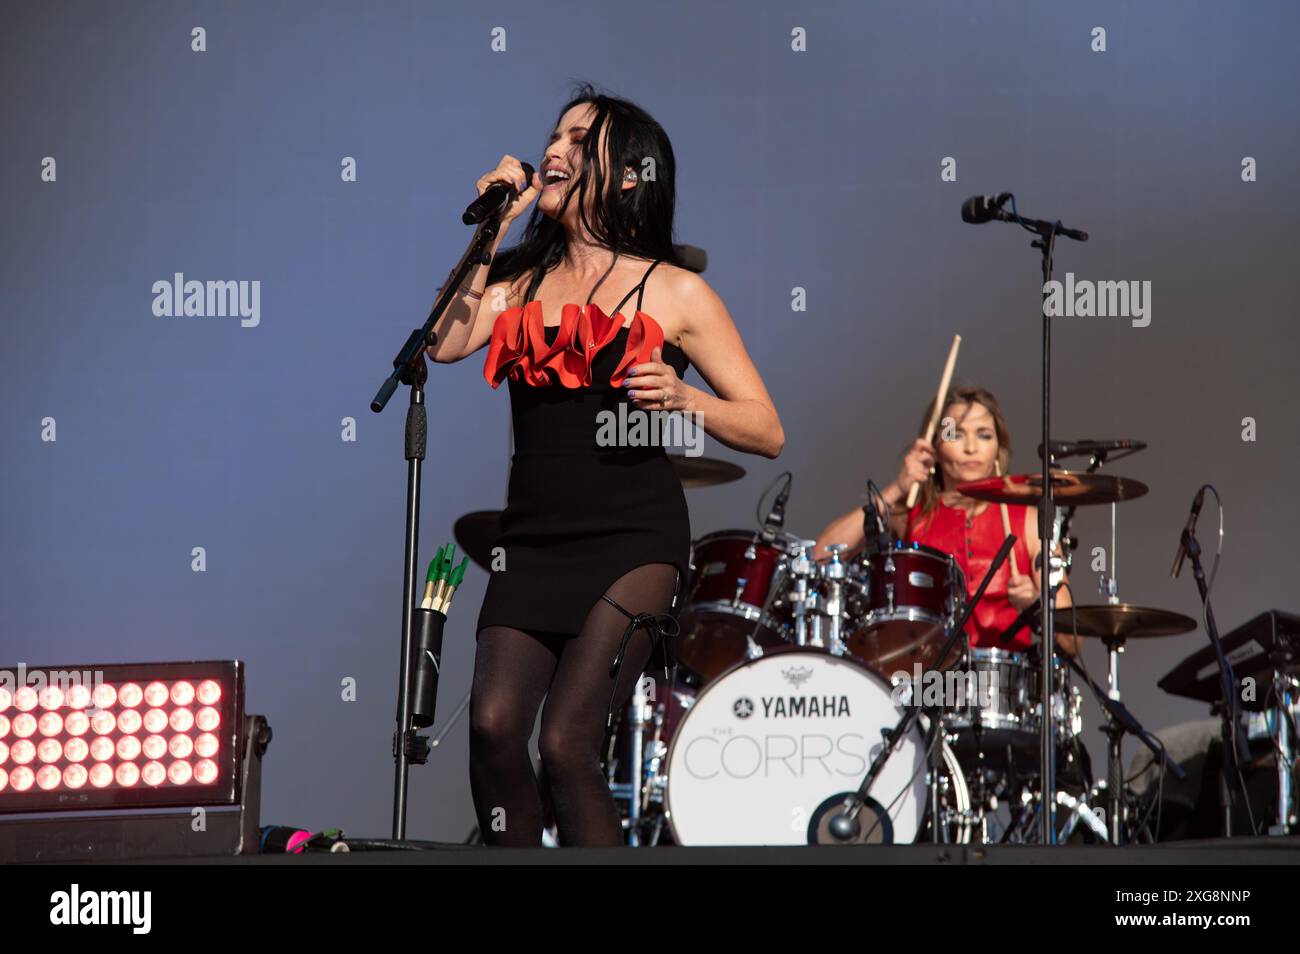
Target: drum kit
column 800, row 710
column 796, row 676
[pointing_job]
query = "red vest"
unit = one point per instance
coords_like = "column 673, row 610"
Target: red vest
column 973, row 545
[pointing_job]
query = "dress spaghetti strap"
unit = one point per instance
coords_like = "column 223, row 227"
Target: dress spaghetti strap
column 639, row 288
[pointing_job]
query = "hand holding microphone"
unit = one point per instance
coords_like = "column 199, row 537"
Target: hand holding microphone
column 511, row 179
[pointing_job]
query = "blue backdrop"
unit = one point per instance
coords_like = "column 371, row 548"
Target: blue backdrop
column 817, row 169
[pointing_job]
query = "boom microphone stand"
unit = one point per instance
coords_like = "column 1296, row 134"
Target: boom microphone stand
column 975, row 211
column 1231, row 733
column 409, row 369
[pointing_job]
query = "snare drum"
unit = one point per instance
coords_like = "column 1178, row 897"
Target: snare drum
column 731, row 596
column 1008, row 709
column 1002, row 707
column 905, row 598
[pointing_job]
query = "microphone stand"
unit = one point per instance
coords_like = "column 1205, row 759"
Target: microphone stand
column 409, row 369
column 1229, row 731
column 845, row 821
column 1046, row 242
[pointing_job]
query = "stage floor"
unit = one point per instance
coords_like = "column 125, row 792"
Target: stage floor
column 1236, row 851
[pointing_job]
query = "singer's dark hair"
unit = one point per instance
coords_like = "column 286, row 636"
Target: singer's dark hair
column 637, row 222
column 930, row 490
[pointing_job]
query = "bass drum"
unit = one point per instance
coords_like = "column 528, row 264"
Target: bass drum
column 769, row 750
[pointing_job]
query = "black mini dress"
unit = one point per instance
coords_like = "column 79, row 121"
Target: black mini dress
column 581, row 510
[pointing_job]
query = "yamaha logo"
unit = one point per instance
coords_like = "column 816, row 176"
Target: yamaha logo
column 743, row 707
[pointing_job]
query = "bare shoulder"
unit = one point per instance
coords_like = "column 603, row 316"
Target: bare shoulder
column 685, row 287
column 689, row 302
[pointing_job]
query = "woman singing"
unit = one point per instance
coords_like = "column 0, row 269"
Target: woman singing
column 976, row 445
column 593, row 535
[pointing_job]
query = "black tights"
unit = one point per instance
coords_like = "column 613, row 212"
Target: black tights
column 513, row 670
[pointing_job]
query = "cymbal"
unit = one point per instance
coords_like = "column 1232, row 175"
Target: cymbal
column 1068, row 488
column 476, row 534
column 1120, row 622
column 704, row 471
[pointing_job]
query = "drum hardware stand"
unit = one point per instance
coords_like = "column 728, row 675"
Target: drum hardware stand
column 639, row 707
column 1024, row 810
column 1284, row 687
column 834, row 574
column 1114, row 736
column 980, row 795
column 1079, row 811
column 807, row 609
column 1113, row 730
column 844, row 825
column 1119, row 721
column 936, row 727
column 1065, row 515
column 934, row 764
column 801, row 567
column 752, row 649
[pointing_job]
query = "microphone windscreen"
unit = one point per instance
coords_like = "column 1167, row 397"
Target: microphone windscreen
column 975, row 210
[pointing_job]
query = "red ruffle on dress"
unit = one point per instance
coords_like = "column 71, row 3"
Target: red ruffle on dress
column 518, row 348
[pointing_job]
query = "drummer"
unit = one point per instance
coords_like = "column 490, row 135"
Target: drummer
column 973, row 443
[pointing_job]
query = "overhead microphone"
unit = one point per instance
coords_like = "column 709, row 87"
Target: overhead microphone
column 776, row 517
column 1075, row 448
column 877, row 535
column 774, row 522
column 496, row 198
column 1189, row 530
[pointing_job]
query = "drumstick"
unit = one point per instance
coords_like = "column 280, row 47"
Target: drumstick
column 938, row 408
column 1006, row 525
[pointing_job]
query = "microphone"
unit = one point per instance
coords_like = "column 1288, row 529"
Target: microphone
column 875, row 530
column 1075, row 448
column 495, row 198
column 979, row 209
column 1189, row 530
column 775, row 519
